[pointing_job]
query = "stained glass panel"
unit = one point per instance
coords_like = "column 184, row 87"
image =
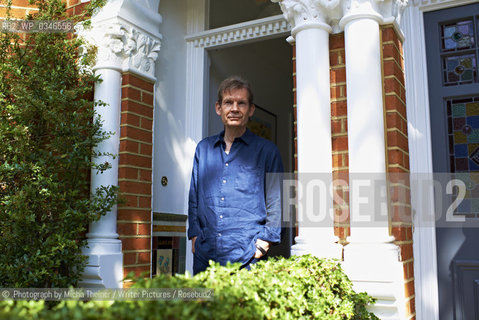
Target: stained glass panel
column 459, row 35
column 463, row 129
column 459, row 69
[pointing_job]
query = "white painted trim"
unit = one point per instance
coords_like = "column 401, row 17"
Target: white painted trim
column 266, row 28
column 431, row 5
column 420, row 150
column 420, row 158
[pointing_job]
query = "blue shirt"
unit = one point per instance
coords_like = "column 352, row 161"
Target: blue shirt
column 232, row 199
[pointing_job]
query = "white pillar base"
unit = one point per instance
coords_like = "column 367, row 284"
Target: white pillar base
column 103, row 271
column 375, row 268
column 318, row 242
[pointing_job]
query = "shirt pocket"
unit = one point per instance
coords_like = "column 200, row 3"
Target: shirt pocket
column 248, row 179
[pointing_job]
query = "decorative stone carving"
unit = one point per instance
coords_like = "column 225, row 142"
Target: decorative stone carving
column 385, row 11
column 120, row 46
column 303, row 12
column 265, row 28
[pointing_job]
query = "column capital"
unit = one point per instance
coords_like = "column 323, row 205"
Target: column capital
column 121, row 46
column 305, row 14
column 384, row 11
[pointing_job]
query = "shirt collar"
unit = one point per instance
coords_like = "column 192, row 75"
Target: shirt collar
column 247, row 137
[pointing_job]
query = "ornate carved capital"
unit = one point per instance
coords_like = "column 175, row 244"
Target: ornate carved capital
column 385, row 11
column 123, row 47
column 303, row 13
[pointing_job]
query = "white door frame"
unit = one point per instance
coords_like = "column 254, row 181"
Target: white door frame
column 420, row 151
column 197, row 77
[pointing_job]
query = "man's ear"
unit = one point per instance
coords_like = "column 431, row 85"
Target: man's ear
column 218, row 108
column 252, row 107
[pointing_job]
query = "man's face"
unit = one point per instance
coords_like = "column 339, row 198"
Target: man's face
column 235, row 109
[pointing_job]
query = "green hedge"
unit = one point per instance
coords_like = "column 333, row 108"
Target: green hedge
column 296, row 288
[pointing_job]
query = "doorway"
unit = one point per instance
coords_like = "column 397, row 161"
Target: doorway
column 268, row 66
column 452, row 53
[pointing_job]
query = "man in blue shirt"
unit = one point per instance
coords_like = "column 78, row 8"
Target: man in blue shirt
column 234, row 210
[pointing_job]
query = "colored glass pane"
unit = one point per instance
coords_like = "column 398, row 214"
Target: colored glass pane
column 459, row 35
column 463, row 132
column 460, row 69
column 472, row 108
column 458, row 110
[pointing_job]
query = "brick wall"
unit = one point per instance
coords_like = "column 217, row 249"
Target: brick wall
column 20, row 8
column 398, row 156
column 339, row 135
column 135, row 173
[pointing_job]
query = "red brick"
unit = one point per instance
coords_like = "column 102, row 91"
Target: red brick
column 78, row 9
column 135, row 133
column 400, row 194
column 131, row 93
column 128, row 173
column 336, row 41
column 138, row 161
column 147, row 98
column 134, row 215
column 340, row 143
column 144, row 202
column 130, row 79
column 129, row 258
column 397, row 140
column 338, row 92
column 394, row 103
column 336, row 126
column 14, row 13
column 129, row 105
column 338, row 75
column 409, row 289
column 135, row 243
column 135, row 187
column 406, row 252
column 402, row 214
column 146, row 149
column 337, row 160
column 130, row 201
column 144, row 229
column 22, row 3
column 131, row 119
column 138, row 271
column 392, row 69
column 339, row 108
column 395, row 157
column 129, row 146
column 145, row 175
column 146, row 124
column 129, row 229
column 144, row 257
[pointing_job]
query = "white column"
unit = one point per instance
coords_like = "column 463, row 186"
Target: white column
column 123, row 45
column 104, row 247
column 311, row 31
column 366, row 135
column 371, row 259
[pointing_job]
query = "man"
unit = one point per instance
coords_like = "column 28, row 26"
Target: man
column 234, row 209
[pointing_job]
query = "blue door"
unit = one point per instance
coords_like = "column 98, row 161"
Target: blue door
column 452, row 56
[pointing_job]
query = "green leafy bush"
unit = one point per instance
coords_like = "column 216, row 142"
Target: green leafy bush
column 302, row 287
column 47, row 137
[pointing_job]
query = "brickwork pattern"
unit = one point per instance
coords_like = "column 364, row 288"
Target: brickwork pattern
column 20, row 9
column 398, row 156
column 339, row 135
column 135, row 173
